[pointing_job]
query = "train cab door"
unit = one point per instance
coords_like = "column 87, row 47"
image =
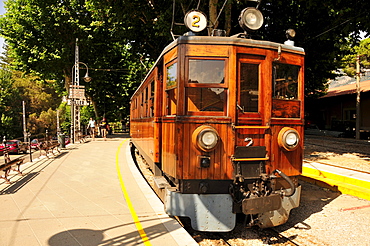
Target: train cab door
column 250, row 125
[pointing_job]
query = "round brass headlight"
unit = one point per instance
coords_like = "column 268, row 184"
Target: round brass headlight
column 288, row 139
column 205, row 138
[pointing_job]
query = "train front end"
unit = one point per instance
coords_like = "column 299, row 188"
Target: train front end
column 237, row 137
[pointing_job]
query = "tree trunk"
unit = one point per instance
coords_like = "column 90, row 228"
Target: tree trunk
column 212, row 15
column 95, row 109
column 67, row 81
column 228, row 18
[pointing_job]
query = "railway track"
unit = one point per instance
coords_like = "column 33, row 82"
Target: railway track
column 338, row 145
column 271, row 236
column 344, row 153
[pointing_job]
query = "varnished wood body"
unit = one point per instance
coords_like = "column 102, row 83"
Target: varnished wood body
column 164, row 136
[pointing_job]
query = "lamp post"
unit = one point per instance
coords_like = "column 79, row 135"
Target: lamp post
column 358, row 94
column 77, row 94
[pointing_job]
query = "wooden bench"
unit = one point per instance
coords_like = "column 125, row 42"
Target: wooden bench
column 82, row 138
column 9, row 165
column 49, row 147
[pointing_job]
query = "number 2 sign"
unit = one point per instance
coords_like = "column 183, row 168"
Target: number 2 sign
column 195, row 20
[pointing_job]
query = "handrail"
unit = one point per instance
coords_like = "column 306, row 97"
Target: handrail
column 251, row 159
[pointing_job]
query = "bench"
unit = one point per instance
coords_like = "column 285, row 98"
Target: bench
column 49, row 147
column 9, row 165
column 82, row 138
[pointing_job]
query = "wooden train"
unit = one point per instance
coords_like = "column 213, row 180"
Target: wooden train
column 220, row 122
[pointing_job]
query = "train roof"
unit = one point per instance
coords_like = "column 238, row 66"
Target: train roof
column 235, row 40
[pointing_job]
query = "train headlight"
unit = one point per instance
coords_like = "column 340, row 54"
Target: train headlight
column 288, row 138
column 250, row 19
column 205, row 138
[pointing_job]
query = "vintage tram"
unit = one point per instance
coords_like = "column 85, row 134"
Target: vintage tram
column 220, row 122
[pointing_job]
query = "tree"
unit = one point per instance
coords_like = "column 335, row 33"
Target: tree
column 41, row 35
column 362, row 51
column 116, row 36
column 8, row 109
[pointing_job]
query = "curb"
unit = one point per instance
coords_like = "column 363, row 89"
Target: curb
column 346, row 181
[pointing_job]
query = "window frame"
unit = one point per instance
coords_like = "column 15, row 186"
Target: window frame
column 262, row 62
column 224, row 85
column 169, row 105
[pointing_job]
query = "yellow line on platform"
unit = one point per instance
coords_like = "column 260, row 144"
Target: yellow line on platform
column 138, row 225
column 346, row 185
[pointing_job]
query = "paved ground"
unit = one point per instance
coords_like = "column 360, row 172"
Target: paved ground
column 87, row 195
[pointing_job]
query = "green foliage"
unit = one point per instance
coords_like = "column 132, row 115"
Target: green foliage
column 8, row 107
column 118, row 39
column 348, row 62
column 64, row 117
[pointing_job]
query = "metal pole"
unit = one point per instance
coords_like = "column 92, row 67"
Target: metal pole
column 76, row 116
column 24, row 122
column 58, row 127
column 358, row 92
column 72, row 120
column 29, row 141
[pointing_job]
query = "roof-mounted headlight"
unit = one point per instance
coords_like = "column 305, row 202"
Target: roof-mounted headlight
column 250, row 19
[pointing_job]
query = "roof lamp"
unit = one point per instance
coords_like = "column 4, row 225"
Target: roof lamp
column 250, row 19
column 290, row 33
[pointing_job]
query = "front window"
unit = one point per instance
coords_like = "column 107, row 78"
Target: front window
column 206, row 99
column 285, row 82
column 285, row 103
column 206, row 89
column 206, row 71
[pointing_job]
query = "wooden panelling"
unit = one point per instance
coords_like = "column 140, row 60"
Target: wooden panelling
column 172, row 54
column 207, row 50
column 286, row 109
column 258, row 136
column 167, row 137
column 143, row 134
column 220, row 168
column 169, row 142
column 289, row 162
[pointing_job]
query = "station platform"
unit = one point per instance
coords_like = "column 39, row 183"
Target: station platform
column 346, row 181
column 89, row 194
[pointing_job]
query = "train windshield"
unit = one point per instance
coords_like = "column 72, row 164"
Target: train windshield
column 205, row 88
column 206, row 71
column 285, row 103
column 285, row 81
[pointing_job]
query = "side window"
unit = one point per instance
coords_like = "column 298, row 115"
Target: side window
column 151, row 100
column 171, row 80
column 171, row 88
